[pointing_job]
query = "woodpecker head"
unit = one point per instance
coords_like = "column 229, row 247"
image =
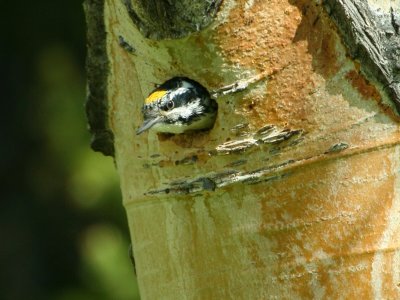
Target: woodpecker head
column 178, row 105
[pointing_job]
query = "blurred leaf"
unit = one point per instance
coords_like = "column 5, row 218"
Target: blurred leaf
column 92, row 178
column 106, row 259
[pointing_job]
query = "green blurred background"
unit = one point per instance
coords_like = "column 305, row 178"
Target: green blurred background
column 63, row 229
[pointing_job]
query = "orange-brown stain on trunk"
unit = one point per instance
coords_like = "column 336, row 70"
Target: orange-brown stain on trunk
column 276, row 35
column 299, row 39
column 365, row 88
column 328, row 233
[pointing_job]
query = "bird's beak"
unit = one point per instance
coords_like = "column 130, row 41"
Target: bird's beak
column 148, row 124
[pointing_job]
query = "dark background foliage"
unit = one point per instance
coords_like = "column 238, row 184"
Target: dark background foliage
column 63, row 229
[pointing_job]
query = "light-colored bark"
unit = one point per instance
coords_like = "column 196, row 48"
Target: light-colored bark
column 294, row 193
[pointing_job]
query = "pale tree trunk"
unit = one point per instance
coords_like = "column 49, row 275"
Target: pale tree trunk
column 295, row 192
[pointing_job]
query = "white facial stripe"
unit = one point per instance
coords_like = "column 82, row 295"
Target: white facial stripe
column 177, row 92
column 186, row 111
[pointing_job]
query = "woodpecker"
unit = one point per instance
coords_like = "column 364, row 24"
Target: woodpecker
column 178, row 105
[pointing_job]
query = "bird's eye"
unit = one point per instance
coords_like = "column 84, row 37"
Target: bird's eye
column 170, row 105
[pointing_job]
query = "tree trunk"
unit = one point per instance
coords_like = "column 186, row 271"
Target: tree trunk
column 295, row 192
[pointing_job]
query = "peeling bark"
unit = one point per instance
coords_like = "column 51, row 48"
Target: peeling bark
column 295, row 191
column 371, row 33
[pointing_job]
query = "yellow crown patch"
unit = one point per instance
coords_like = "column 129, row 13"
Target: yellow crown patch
column 155, row 96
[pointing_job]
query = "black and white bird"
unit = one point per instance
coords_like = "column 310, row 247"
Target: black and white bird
column 177, row 106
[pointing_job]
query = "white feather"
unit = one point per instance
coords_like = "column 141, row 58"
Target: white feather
column 186, row 111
